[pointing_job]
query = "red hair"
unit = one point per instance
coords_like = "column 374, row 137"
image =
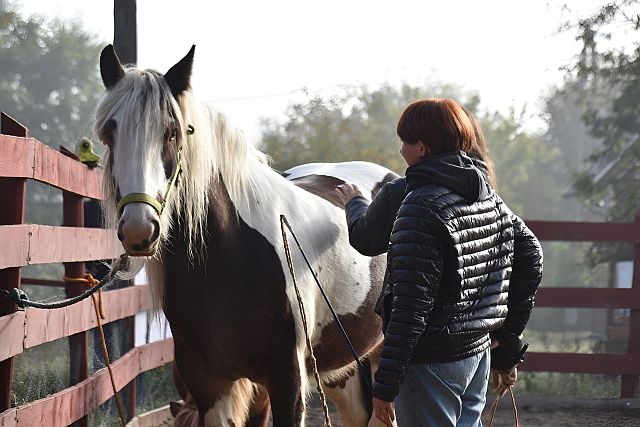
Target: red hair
column 440, row 124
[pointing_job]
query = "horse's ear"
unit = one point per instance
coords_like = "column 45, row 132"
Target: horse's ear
column 179, row 76
column 111, row 69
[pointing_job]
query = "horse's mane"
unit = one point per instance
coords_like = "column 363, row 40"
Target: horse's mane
column 215, row 151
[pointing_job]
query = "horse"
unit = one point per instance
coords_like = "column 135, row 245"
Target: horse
column 199, row 208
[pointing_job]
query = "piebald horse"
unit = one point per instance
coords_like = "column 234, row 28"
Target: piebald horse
column 199, row 207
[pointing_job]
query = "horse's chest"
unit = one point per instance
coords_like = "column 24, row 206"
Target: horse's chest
column 233, row 304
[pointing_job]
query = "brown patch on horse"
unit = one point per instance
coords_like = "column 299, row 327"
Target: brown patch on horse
column 341, row 382
column 364, row 328
column 229, row 313
column 322, row 186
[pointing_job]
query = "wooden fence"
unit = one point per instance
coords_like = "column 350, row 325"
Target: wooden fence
column 627, row 364
column 23, row 158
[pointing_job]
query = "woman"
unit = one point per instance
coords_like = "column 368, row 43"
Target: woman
column 370, row 224
column 450, row 260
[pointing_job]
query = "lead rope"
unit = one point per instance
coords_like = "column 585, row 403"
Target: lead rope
column 323, row 398
column 91, row 282
column 494, row 407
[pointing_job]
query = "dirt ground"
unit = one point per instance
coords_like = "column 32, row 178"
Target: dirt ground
column 534, row 411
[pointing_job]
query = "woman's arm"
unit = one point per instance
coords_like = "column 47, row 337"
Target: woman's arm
column 370, row 224
column 415, row 268
column 526, row 276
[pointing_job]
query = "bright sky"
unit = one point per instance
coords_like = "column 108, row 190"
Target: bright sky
column 254, row 57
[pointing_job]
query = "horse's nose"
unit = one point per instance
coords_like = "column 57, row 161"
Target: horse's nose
column 139, row 238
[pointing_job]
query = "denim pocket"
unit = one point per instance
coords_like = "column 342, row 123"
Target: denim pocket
column 457, row 372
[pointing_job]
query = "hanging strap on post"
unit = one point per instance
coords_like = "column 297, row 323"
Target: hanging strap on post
column 92, row 282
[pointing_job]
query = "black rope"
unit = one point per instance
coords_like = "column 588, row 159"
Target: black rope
column 20, row 298
column 363, row 373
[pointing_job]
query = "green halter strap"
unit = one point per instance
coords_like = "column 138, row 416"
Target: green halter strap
column 158, row 206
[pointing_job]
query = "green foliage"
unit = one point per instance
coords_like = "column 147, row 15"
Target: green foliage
column 526, row 167
column 49, row 78
column 611, row 186
column 49, row 82
column 591, row 386
column 359, row 125
column 41, row 371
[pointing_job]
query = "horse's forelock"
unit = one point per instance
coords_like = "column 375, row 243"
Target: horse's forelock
column 140, row 107
column 216, row 150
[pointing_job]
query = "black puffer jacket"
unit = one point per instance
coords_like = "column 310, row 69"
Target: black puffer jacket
column 449, row 267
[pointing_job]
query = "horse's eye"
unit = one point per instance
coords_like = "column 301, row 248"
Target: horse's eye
column 173, row 135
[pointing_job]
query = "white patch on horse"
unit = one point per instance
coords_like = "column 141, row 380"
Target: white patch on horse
column 322, row 231
column 363, row 174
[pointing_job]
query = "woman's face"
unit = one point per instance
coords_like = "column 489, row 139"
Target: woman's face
column 412, row 153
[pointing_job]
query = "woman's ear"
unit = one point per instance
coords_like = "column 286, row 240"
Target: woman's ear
column 424, row 150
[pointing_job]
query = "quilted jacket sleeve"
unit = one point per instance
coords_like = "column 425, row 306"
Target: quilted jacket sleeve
column 525, row 279
column 415, row 265
column 370, row 224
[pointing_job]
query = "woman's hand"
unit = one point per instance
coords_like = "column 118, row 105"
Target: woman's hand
column 502, row 380
column 384, row 412
column 347, row 191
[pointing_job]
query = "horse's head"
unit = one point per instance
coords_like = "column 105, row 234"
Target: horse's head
column 140, row 120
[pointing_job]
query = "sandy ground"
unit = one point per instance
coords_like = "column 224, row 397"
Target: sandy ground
column 534, row 411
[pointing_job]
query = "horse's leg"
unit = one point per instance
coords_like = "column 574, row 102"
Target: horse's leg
column 345, row 391
column 185, row 414
column 350, row 394
column 287, row 386
column 232, row 407
column 260, row 409
column 220, row 401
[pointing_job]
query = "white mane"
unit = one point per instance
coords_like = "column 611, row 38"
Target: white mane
column 215, row 150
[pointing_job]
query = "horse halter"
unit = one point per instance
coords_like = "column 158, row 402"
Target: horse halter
column 157, row 205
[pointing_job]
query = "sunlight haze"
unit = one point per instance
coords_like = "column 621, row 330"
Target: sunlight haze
column 254, row 58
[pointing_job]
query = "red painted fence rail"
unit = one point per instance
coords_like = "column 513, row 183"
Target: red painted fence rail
column 627, row 365
column 23, row 158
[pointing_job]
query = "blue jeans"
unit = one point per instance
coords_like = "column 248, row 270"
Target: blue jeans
column 444, row 394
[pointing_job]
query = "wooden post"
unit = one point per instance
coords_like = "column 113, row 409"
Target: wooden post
column 12, row 192
column 126, row 46
column 125, row 31
column 73, row 216
column 629, row 387
column 133, row 385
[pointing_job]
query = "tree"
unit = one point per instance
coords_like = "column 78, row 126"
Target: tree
column 597, row 115
column 361, row 125
column 611, row 185
column 49, row 82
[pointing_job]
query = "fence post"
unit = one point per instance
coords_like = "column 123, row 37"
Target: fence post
column 73, row 216
column 629, row 385
column 12, row 193
column 133, row 385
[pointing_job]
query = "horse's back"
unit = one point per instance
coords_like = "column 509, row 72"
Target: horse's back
column 369, row 177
